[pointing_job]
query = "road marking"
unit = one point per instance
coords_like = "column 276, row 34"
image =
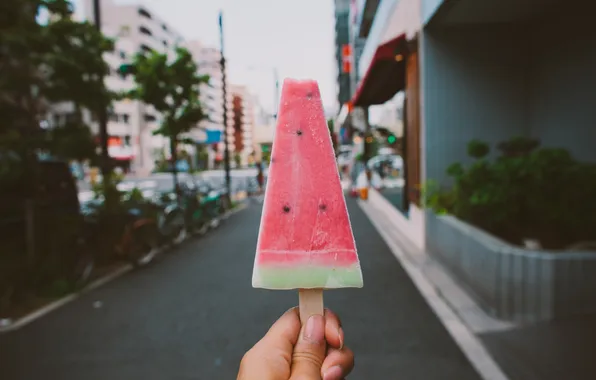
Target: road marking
column 468, row 342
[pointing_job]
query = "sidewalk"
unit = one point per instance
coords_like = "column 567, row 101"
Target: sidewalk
column 545, row 351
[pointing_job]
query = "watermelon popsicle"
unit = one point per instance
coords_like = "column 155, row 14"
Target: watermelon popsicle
column 305, row 237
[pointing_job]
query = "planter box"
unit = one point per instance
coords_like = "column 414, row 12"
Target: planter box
column 513, row 283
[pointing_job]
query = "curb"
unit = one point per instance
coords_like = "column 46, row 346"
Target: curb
column 116, row 273
column 463, row 336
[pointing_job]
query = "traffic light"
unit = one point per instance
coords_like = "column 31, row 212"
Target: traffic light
column 391, row 139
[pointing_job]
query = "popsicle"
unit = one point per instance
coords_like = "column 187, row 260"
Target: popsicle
column 305, row 237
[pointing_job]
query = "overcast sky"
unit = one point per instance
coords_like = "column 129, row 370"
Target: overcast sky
column 297, row 37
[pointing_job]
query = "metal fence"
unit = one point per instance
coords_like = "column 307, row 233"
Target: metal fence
column 514, row 283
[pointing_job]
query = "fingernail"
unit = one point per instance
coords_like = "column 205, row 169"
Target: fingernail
column 314, row 331
column 333, row 373
column 340, row 335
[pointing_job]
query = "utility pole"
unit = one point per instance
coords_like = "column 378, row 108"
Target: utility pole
column 225, row 107
column 276, row 100
column 103, row 119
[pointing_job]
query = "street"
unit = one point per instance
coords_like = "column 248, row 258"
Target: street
column 194, row 314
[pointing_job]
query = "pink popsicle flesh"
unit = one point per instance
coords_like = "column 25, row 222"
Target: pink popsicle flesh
column 305, row 237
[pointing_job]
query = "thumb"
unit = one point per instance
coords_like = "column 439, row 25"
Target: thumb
column 309, row 351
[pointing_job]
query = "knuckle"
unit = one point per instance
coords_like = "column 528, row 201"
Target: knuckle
column 307, row 358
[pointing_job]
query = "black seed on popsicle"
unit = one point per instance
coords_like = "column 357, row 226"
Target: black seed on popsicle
column 299, row 132
column 308, row 95
column 323, row 207
column 286, row 209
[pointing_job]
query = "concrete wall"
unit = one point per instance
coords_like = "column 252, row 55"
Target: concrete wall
column 473, row 83
column 562, row 111
column 492, row 82
column 510, row 282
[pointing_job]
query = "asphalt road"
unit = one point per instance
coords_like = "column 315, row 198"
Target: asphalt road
column 194, row 314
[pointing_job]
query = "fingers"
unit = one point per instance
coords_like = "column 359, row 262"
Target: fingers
column 334, row 334
column 271, row 357
column 286, row 328
column 309, row 351
column 338, row 364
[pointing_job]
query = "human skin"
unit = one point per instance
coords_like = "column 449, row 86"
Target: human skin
column 290, row 351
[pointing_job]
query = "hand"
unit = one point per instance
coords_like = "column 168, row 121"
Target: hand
column 289, row 352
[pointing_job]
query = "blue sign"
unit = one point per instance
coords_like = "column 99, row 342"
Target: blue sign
column 211, row 137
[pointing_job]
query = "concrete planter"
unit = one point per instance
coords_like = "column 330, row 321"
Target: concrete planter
column 513, row 283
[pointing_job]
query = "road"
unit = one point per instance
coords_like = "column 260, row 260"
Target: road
column 193, row 314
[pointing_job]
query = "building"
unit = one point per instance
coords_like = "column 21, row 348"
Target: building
column 488, row 71
column 353, row 25
column 208, row 61
column 343, row 50
column 242, row 127
column 135, row 28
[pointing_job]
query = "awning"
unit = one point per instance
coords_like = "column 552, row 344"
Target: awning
column 385, row 75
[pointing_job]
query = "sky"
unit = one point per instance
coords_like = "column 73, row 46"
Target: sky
column 294, row 36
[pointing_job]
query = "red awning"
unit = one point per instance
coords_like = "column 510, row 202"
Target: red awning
column 385, row 75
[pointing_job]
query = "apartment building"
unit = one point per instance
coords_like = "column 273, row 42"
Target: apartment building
column 210, row 131
column 135, row 28
column 242, row 128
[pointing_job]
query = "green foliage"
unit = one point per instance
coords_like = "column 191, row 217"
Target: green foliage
column 478, row 149
column 57, row 60
column 72, row 141
column 173, row 89
column 517, row 146
column 238, row 160
column 527, row 192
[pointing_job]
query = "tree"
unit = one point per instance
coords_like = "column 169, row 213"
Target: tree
column 173, row 89
column 74, row 71
column 55, row 60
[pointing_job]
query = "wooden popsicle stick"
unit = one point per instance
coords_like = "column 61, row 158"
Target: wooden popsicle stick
column 310, row 303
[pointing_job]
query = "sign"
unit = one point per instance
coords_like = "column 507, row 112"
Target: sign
column 346, row 58
column 212, row 136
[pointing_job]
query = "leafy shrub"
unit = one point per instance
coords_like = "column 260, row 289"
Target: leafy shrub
column 527, row 192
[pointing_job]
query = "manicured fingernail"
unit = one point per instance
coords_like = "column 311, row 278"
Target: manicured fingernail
column 340, row 335
column 314, row 331
column 333, row 373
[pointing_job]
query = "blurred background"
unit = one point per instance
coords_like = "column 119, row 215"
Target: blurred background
column 135, row 143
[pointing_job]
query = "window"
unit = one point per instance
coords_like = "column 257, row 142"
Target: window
column 149, row 118
column 145, row 49
column 127, row 140
column 144, row 13
column 124, row 31
column 125, row 118
column 165, row 43
column 113, row 117
column 145, row 31
column 122, row 54
column 164, row 27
